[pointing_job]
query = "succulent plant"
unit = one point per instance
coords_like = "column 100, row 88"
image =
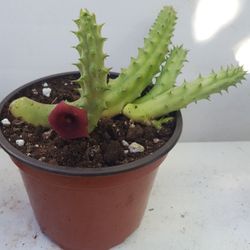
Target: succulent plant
column 126, row 94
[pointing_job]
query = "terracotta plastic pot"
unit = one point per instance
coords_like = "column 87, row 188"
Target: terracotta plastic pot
column 87, row 208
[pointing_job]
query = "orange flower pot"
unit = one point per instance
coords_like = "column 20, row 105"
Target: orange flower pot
column 88, row 208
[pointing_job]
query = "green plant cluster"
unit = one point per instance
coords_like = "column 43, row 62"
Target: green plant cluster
column 123, row 95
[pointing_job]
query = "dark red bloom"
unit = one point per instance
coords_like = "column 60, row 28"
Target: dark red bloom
column 68, row 121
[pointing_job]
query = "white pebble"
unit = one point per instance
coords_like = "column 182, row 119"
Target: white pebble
column 20, row 142
column 5, row 122
column 125, row 143
column 42, row 158
column 34, row 91
column 46, row 92
column 156, row 140
column 45, row 84
column 126, row 152
column 132, row 125
column 135, row 147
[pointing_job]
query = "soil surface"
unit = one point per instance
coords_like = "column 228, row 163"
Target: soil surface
column 114, row 141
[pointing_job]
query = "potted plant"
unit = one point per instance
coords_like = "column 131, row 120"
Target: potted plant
column 88, row 144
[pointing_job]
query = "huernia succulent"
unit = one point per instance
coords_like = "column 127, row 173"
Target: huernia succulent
column 123, row 95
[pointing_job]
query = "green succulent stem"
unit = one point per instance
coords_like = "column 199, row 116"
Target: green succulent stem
column 123, row 94
column 93, row 79
column 134, row 79
column 158, row 123
column 92, row 82
column 168, row 74
column 179, row 97
column 33, row 112
column 30, row 111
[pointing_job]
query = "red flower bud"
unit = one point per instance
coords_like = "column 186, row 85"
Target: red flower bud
column 68, row 121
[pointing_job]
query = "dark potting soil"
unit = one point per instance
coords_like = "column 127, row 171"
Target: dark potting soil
column 108, row 145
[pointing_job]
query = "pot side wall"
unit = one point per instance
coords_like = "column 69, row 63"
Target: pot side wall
column 92, row 213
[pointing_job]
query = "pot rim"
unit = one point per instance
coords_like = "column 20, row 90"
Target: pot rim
column 64, row 170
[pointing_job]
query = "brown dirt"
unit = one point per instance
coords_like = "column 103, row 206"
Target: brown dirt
column 105, row 146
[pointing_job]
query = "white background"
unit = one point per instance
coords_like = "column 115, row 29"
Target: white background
column 35, row 41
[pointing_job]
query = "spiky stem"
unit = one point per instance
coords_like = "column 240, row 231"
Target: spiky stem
column 31, row 111
column 158, row 123
column 169, row 72
column 93, row 80
column 179, row 97
column 121, row 95
column 133, row 80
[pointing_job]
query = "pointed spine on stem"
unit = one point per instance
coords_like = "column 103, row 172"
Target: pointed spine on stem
column 168, row 73
column 93, row 73
column 179, row 97
column 138, row 75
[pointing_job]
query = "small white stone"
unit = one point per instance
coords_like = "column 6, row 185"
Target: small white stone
column 125, row 143
column 46, row 92
column 126, row 152
column 65, row 84
column 156, row 140
column 45, row 84
column 132, row 125
column 5, row 122
column 135, row 147
column 20, row 142
column 42, row 158
column 34, row 91
column 36, row 145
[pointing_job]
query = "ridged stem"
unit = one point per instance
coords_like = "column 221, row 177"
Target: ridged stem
column 179, row 97
column 93, row 80
column 168, row 74
column 133, row 80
